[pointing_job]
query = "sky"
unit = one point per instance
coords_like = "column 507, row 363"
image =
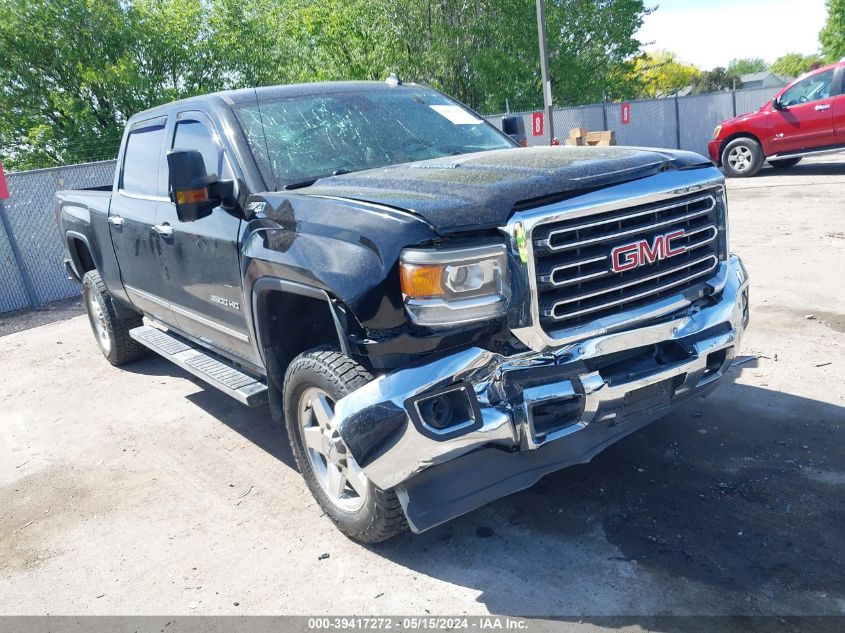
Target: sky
column 710, row 33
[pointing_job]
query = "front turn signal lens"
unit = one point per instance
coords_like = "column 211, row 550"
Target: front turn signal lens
column 717, row 131
column 421, row 280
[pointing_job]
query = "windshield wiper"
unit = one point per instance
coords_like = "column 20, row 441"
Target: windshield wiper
column 302, row 184
column 307, row 183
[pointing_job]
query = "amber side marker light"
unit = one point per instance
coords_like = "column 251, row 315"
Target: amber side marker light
column 421, row 280
column 519, row 236
column 192, row 196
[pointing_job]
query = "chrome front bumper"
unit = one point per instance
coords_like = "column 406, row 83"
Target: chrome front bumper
column 614, row 383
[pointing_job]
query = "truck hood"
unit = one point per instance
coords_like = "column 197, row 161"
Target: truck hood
column 740, row 118
column 481, row 190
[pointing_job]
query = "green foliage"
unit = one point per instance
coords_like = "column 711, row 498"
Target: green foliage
column 832, row 35
column 661, row 74
column 714, row 80
column 796, row 64
column 61, row 65
column 739, row 67
column 590, row 41
column 73, row 71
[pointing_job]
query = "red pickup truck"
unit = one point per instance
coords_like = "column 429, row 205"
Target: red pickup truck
column 806, row 117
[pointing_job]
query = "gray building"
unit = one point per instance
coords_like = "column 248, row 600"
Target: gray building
column 765, row 79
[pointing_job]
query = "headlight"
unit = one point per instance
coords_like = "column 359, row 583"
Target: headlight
column 448, row 286
column 717, row 131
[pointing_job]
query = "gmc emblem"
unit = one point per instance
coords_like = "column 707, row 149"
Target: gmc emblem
column 640, row 253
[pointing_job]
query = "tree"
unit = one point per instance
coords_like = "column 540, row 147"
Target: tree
column 661, row 74
column 59, row 62
column 747, row 66
column 486, row 51
column 476, row 50
column 714, row 80
column 796, row 64
column 832, row 35
column 591, row 44
column 73, row 71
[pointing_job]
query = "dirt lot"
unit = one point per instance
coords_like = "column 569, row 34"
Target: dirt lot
column 139, row 491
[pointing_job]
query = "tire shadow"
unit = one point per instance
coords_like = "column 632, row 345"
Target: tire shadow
column 833, row 168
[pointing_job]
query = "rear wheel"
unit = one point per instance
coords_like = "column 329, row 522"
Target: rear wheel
column 783, row 163
column 111, row 332
column 314, row 382
column 742, row 158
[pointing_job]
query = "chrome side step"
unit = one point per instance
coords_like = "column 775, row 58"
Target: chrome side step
column 813, row 152
column 233, row 382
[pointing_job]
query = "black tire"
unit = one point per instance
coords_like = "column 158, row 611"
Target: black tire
column 118, row 347
column 380, row 517
column 751, row 153
column 783, row 163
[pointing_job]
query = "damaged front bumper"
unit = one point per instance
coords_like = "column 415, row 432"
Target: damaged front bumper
column 458, row 432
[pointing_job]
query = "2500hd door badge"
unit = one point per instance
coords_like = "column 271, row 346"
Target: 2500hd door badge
column 228, row 303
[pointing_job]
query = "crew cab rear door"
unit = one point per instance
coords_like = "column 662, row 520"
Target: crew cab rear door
column 132, row 218
column 201, row 258
column 805, row 121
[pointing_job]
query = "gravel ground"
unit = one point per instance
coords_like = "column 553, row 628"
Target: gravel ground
column 21, row 320
column 139, row 491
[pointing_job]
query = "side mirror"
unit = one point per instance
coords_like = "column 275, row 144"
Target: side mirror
column 190, row 185
column 514, row 127
column 777, row 104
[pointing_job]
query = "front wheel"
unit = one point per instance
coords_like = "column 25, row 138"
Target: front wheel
column 742, row 158
column 783, row 163
column 314, row 382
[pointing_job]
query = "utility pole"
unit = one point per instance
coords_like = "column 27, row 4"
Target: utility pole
column 544, row 68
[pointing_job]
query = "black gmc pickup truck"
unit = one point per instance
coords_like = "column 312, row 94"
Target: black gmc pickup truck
column 437, row 315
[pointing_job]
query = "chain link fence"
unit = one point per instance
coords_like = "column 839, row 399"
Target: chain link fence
column 676, row 122
column 31, row 249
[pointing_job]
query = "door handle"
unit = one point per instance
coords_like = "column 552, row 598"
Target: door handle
column 116, row 220
column 165, row 230
column 824, row 106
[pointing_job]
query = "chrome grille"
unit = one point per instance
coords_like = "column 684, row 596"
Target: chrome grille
column 576, row 284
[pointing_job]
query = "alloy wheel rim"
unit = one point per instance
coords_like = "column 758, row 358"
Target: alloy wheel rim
column 335, row 469
column 98, row 322
column 740, row 158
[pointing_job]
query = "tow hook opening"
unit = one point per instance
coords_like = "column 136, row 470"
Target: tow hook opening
column 447, row 412
column 715, row 361
column 636, row 363
column 743, row 306
column 553, row 416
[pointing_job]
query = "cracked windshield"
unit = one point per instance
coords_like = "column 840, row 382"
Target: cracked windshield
column 299, row 139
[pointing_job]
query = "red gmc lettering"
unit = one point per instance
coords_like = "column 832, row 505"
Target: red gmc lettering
column 625, row 257
column 671, row 252
column 640, row 253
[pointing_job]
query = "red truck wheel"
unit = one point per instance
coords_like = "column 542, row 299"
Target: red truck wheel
column 742, row 158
